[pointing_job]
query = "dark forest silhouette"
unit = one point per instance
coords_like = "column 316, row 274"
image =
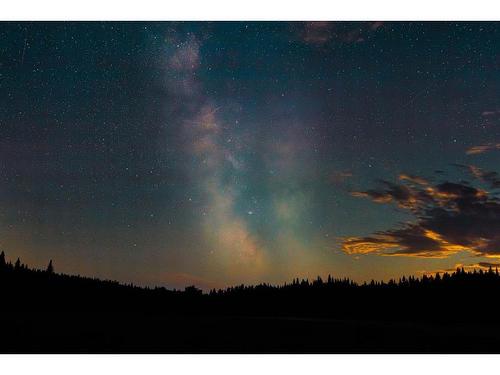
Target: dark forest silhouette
column 44, row 311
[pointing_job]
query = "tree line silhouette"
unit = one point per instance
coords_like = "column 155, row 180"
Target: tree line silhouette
column 346, row 316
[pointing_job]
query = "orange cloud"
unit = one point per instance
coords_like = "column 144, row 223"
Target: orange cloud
column 451, row 217
column 415, row 179
column 420, row 243
column 474, row 150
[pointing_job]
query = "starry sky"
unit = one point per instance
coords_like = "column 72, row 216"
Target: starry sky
column 220, row 153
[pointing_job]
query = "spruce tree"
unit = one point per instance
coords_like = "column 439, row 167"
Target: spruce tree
column 50, row 267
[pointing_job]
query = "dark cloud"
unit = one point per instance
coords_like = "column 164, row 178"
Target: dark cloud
column 489, row 177
column 411, row 240
column 450, row 217
column 404, row 195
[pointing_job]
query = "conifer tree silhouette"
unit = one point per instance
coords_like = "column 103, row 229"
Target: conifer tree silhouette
column 50, row 267
column 17, row 265
column 2, row 260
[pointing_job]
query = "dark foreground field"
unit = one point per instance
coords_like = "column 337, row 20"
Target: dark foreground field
column 45, row 312
column 132, row 333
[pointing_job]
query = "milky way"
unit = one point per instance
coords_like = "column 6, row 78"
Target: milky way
column 216, row 154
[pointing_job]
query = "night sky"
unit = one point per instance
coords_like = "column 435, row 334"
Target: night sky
column 215, row 154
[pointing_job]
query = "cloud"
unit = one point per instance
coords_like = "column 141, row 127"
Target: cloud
column 490, row 113
column 317, row 32
column 321, row 32
column 488, row 264
column 474, row 150
column 489, row 177
column 405, row 196
column 374, row 25
column 411, row 240
column 340, row 177
column 449, row 218
column 414, row 179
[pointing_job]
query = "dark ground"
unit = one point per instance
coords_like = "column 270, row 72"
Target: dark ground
column 45, row 312
column 30, row 332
